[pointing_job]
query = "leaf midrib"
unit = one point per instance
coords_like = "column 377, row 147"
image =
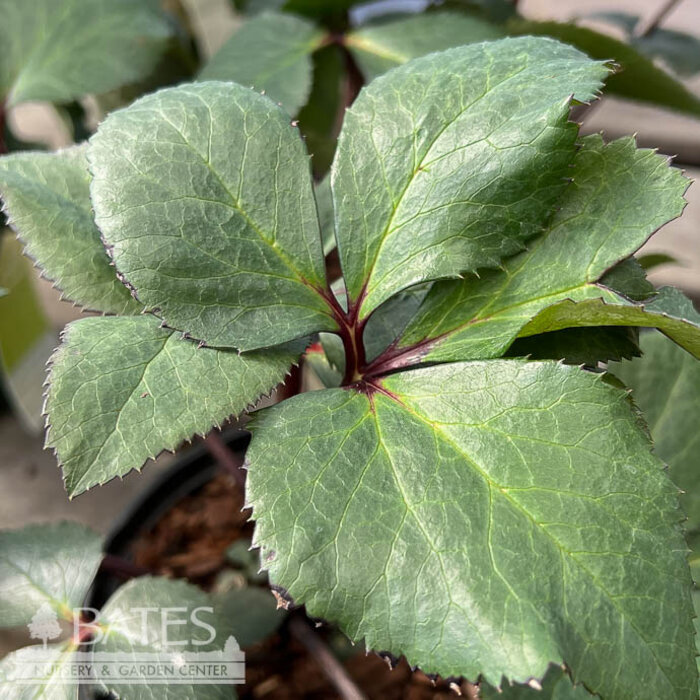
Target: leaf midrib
column 409, row 509
column 49, row 30
column 236, row 205
column 362, row 43
column 119, row 413
column 436, row 428
column 418, row 168
column 57, row 603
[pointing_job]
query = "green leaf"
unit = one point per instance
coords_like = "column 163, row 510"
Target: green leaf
column 556, row 685
column 47, row 200
column 449, row 163
column 494, row 10
column 629, row 279
column 125, row 624
column 679, row 50
column 122, row 390
column 251, row 614
column 591, row 232
column 317, row 359
column 204, row 198
column 387, row 323
column 178, row 64
column 242, row 556
column 59, row 51
column 52, row 564
column 696, row 604
column 53, row 686
column 311, row 8
column 321, row 117
column 324, row 204
column 524, row 501
column 651, row 260
column 637, row 77
column 669, row 311
column 378, row 48
column 27, row 338
column 693, row 540
column 666, row 386
column 270, row 53
column 579, row 346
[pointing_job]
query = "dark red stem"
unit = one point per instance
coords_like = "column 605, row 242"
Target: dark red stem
column 225, row 458
column 394, row 358
column 350, row 329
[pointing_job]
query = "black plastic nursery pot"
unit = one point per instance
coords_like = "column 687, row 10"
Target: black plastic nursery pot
column 192, row 469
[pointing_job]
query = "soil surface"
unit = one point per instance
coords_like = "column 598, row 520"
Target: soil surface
column 190, row 542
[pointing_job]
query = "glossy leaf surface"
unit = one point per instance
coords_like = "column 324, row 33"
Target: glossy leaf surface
column 605, row 215
column 453, row 161
column 665, row 384
column 204, row 198
column 525, row 502
column 670, row 311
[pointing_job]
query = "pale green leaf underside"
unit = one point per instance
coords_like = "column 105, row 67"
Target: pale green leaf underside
column 122, row 390
column 669, row 311
column 318, row 363
column 52, row 564
column 270, row 53
column 379, row 48
column 47, row 200
column 619, row 197
column 556, row 685
column 666, row 386
column 59, row 51
column 123, row 622
column 524, row 501
column 54, row 659
column 203, row 195
column 450, row 162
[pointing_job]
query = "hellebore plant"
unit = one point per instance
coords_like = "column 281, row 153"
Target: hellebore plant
column 446, row 497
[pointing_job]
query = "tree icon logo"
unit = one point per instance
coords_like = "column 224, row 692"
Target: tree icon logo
column 44, row 624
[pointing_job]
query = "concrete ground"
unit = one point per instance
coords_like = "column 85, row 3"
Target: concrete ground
column 30, row 484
